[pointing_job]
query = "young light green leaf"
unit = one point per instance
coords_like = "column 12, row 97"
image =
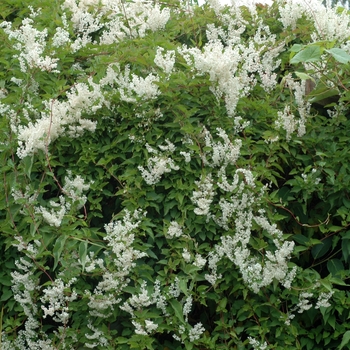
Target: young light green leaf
column 28, row 163
column 58, row 248
column 83, row 253
column 345, row 340
column 309, row 54
column 339, row 55
column 304, row 76
column 296, row 47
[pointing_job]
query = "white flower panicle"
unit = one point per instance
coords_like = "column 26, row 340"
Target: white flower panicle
column 187, row 307
column 134, row 86
column 31, row 44
column 174, row 288
column 121, row 20
column 286, row 119
column 159, row 164
column 232, row 66
column 174, row 230
column 203, row 197
column 60, row 118
column 97, row 336
column 58, row 300
column 120, row 240
column 196, row 332
column 256, row 344
column 72, row 190
column 323, row 300
column 166, row 62
column 304, row 303
column 55, row 215
column 223, row 153
column 235, row 213
column 186, row 255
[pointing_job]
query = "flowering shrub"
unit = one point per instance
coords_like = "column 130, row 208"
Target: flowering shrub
column 174, row 176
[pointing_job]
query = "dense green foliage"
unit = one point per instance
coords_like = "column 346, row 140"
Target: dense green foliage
column 93, row 248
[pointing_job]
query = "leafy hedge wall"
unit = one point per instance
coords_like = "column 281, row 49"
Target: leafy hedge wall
column 174, row 176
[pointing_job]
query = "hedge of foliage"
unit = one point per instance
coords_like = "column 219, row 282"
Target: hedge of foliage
column 174, row 176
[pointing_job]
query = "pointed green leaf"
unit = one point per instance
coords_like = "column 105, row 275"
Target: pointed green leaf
column 321, row 249
column 345, row 340
column 339, row 55
column 177, row 307
column 58, row 248
column 310, row 54
column 82, row 253
column 304, row 76
column 335, row 266
column 28, row 163
column 296, row 47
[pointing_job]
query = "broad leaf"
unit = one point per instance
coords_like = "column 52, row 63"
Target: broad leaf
column 310, row 54
column 339, row 55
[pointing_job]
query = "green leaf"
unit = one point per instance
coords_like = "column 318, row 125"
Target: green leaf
column 28, row 164
column 304, row 76
column 301, row 239
column 310, row 54
column 322, row 93
column 345, row 340
column 322, row 248
column 296, row 47
column 334, row 266
column 82, row 253
column 57, row 249
column 177, row 307
column 339, row 55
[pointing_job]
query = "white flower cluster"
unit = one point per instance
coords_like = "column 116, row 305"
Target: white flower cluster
column 174, row 288
column 120, row 240
column 304, row 303
column 55, row 214
column 330, row 24
column 231, row 65
column 236, row 216
column 323, row 300
column 203, row 197
column 144, row 88
column 61, row 37
column 62, row 117
column 58, row 300
column 148, row 328
column 222, row 153
column 286, row 119
column 310, row 178
column 100, row 340
column 256, row 344
column 213, row 259
column 186, row 309
column 121, row 19
column 159, row 164
column 72, row 189
column 196, row 332
column 143, row 299
column 166, row 63
column 31, row 44
column 193, row 334
column 24, row 284
column 186, row 255
column 290, row 12
column 174, row 230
